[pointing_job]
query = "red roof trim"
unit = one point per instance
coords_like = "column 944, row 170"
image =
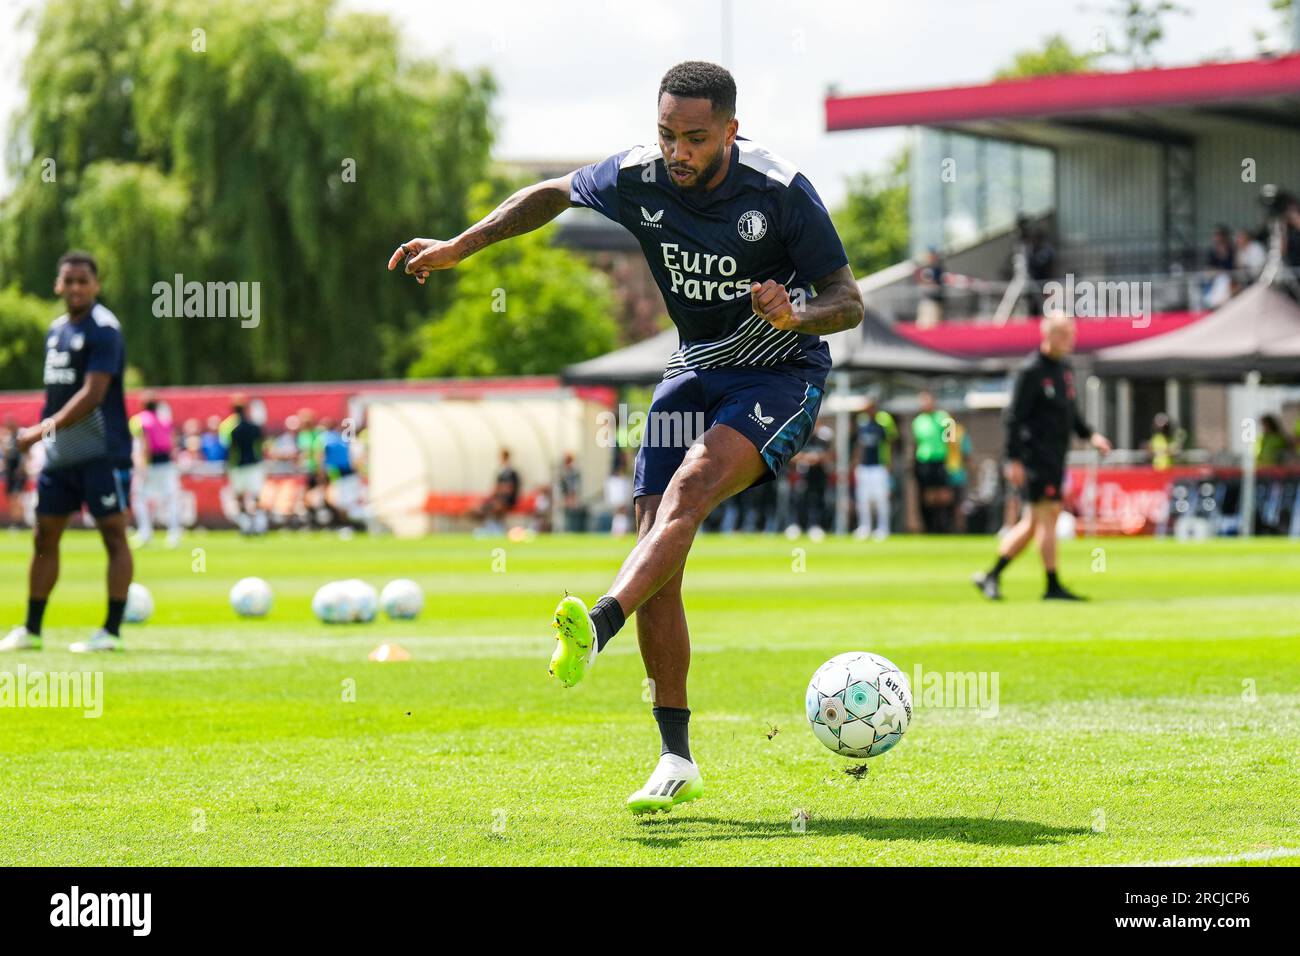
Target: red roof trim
column 970, row 339
column 1070, row 93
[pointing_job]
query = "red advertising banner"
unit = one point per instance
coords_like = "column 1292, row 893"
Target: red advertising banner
column 1136, row 499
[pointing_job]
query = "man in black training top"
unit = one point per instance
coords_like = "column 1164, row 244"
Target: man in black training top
column 1042, row 416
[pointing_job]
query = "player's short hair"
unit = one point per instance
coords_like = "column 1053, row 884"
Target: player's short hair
column 699, row 79
column 76, row 257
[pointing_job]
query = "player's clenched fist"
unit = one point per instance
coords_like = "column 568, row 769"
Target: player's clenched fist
column 771, row 301
column 424, row 256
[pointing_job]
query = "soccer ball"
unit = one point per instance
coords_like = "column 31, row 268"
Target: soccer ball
column 251, row 597
column 139, row 604
column 343, row 602
column 859, row 704
column 401, row 599
column 362, row 600
column 330, row 604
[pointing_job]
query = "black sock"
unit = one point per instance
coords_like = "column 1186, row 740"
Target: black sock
column 35, row 611
column 113, row 623
column 1052, row 583
column 674, row 724
column 1001, row 566
column 608, row 617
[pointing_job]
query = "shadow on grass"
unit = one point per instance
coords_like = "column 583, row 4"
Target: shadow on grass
column 666, row 831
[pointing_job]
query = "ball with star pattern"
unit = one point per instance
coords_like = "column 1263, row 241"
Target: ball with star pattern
column 859, row 704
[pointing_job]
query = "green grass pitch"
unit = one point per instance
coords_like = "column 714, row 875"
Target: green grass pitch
column 1156, row 723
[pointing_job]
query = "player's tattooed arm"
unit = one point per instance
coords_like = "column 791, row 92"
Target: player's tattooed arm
column 836, row 307
column 530, row 208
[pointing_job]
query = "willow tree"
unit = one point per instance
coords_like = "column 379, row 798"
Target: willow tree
column 285, row 143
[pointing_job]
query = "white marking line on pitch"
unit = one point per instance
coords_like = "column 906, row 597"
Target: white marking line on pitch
column 1275, row 854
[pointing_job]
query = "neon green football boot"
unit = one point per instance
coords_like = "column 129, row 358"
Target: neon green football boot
column 575, row 641
column 675, row 780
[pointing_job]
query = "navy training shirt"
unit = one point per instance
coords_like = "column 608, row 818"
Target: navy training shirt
column 763, row 221
column 245, row 442
column 93, row 344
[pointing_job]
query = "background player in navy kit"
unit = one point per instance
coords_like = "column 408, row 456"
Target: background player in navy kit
column 1040, row 420
column 89, row 460
column 752, row 272
column 242, row 439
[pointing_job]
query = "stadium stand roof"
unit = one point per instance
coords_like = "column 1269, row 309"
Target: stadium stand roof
column 1167, row 103
column 1258, row 330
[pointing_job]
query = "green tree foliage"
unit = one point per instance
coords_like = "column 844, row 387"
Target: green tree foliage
column 283, row 142
column 132, row 215
column 1055, row 57
column 523, row 307
column 873, row 222
column 1279, row 38
column 1142, row 25
column 23, row 321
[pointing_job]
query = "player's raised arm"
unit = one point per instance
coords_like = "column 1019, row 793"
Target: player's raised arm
column 528, row 209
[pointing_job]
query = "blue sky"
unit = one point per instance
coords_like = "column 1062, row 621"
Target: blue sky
column 578, row 77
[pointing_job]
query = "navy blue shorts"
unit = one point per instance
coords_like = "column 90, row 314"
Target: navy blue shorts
column 97, row 484
column 774, row 408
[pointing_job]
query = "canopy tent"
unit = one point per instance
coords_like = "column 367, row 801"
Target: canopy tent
column 1256, row 331
column 639, row 364
column 878, row 347
column 1253, row 335
column 872, row 347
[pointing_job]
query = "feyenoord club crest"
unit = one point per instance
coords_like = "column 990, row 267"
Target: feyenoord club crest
column 752, row 226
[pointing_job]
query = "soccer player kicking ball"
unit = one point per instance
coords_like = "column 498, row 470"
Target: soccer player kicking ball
column 1040, row 420
column 752, row 273
column 88, row 450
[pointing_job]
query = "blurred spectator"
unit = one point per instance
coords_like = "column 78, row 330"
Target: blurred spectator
column 284, row 446
column 493, row 509
column 1220, row 257
column 1040, row 262
column 210, row 443
column 1217, row 287
column 618, row 495
column 874, row 447
column 340, row 484
column 957, row 464
column 811, row 471
column 190, row 452
column 1165, row 443
column 242, row 439
column 930, row 433
column 929, row 277
column 1291, row 236
column 309, row 464
column 753, row 510
column 159, row 483
column 1272, row 446
column 1250, row 257
column 15, row 471
column 575, row 511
